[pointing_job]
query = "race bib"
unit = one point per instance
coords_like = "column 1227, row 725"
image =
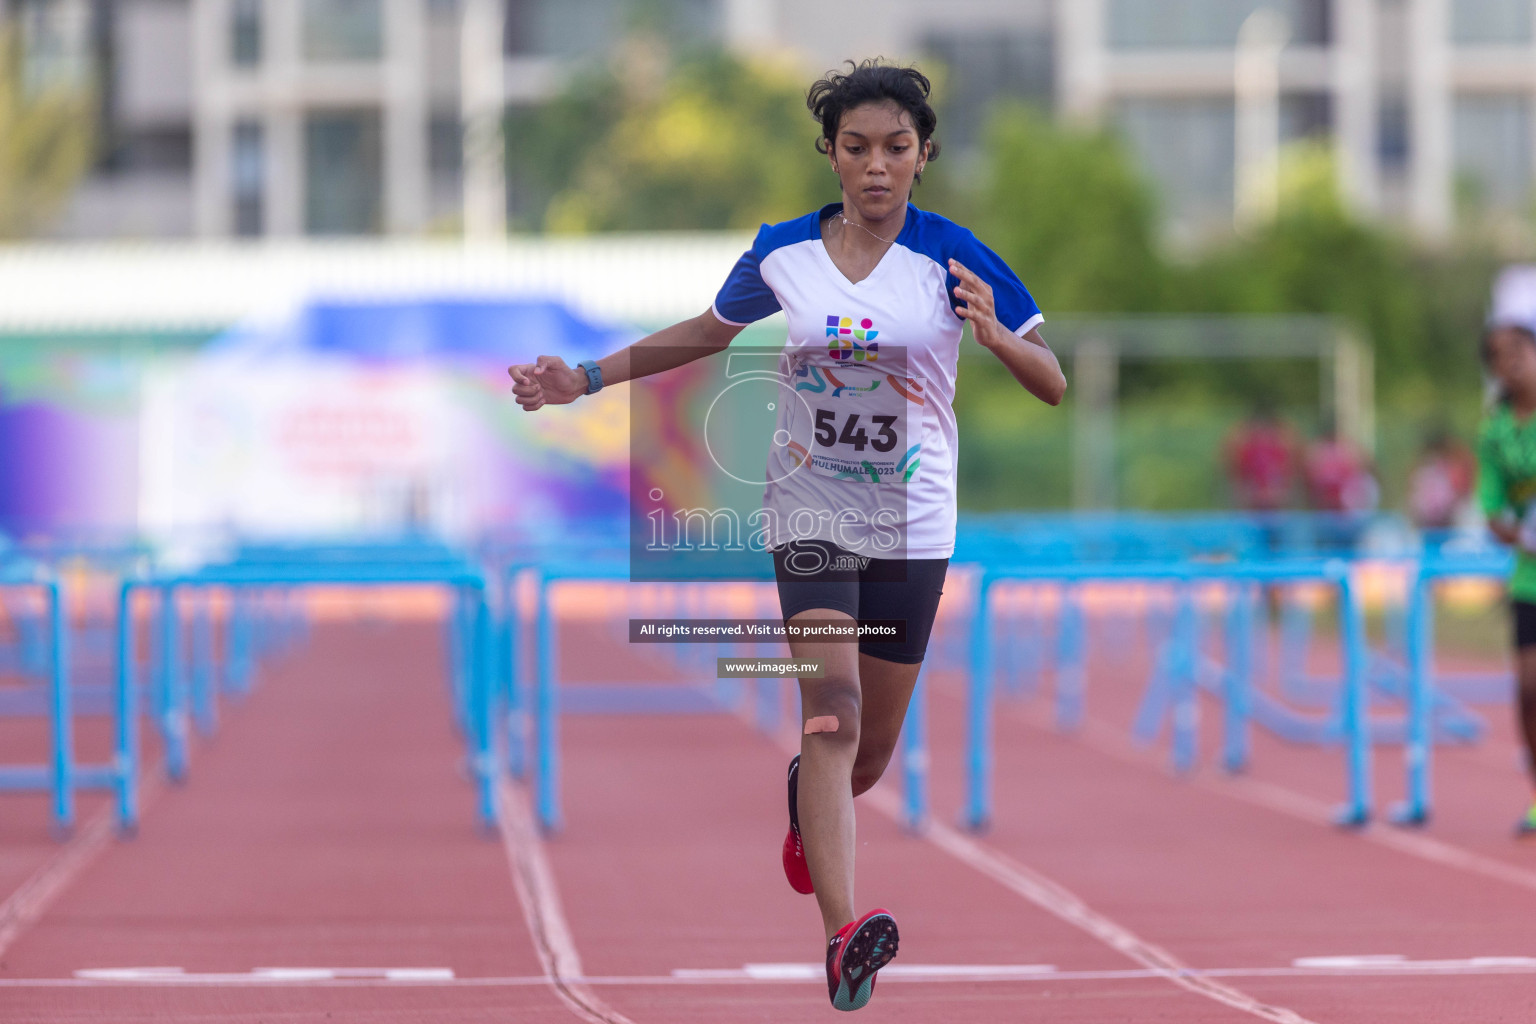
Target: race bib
column 858, row 424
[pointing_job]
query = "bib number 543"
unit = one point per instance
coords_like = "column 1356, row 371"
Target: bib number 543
column 853, row 434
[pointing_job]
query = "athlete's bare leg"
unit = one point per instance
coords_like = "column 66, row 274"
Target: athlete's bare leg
column 826, row 768
column 835, row 765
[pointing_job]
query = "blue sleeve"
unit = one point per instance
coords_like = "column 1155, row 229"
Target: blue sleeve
column 1015, row 307
column 745, row 296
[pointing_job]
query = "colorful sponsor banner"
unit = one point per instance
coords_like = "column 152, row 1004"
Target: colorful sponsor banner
column 349, row 418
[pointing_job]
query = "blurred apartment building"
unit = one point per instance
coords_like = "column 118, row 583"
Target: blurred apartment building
column 228, row 118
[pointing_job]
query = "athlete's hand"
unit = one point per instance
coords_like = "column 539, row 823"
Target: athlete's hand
column 978, row 308
column 1506, row 529
column 546, row 382
column 1029, row 358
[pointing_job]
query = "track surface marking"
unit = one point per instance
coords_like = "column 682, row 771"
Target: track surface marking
column 1061, row 902
column 540, row 900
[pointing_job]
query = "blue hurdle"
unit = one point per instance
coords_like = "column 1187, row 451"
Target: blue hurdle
column 60, row 775
column 172, row 699
column 547, row 702
column 1180, row 670
column 1422, row 692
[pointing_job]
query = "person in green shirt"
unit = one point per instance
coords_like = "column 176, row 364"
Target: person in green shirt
column 1506, row 487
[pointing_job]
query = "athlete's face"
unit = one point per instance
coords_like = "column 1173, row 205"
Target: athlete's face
column 1512, row 359
column 876, row 155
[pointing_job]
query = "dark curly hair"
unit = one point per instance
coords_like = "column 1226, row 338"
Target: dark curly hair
column 873, row 81
column 1485, row 349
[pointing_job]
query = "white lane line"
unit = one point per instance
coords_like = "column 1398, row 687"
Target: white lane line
column 28, row 903
column 1477, row 965
column 266, row 975
column 32, row 899
column 1062, row 903
column 1360, row 966
column 913, row 972
column 540, row 900
column 1436, row 851
column 1106, row 740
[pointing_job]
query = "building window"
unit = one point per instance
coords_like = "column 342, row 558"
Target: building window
column 248, row 169
column 565, row 28
column 1490, row 22
column 518, row 38
column 983, row 67
column 163, row 149
column 1180, row 24
column 1392, row 138
column 245, row 33
column 343, row 30
column 1492, row 139
column 580, row 28
column 343, row 173
column 1187, row 148
column 1306, row 115
column 445, row 144
column 55, row 43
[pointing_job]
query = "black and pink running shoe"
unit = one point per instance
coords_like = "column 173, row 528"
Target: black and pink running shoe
column 795, row 868
column 856, row 952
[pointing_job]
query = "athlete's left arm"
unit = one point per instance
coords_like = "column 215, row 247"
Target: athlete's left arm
column 1029, row 358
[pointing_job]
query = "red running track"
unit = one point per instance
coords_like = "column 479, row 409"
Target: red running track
column 328, row 830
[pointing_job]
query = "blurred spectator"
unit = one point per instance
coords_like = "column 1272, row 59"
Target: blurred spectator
column 1440, row 484
column 1338, row 475
column 1506, row 487
column 1261, row 461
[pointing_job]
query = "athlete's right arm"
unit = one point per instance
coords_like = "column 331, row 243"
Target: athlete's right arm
column 549, row 381
column 1492, row 494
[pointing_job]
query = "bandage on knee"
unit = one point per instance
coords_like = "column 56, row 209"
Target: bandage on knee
column 821, row 723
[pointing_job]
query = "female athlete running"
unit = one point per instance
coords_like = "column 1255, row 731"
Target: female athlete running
column 1506, row 487
column 871, row 267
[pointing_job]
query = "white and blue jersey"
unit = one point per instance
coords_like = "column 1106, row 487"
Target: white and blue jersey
column 854, row 349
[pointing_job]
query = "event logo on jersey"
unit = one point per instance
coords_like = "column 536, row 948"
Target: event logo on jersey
column 846, row 337
column 814, row 382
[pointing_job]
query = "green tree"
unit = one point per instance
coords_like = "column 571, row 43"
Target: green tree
column 1069, row 212
column 1413, row 305
column 46, row 139
column 717, row 142
column 548, row 144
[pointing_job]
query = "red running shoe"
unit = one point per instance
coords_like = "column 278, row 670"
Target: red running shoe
column 795, row 868
column 856, row 952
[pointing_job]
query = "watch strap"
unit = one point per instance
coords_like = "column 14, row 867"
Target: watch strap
column 594, row 375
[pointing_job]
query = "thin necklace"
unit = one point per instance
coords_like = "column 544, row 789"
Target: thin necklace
column 861, row 227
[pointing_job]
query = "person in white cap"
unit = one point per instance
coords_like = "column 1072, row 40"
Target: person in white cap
column 1506, row 489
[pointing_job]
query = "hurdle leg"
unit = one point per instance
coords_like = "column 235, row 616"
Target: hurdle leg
column 914, row 756
column 1419, row 750
column 546, row 722
column 1357, row 731
column 482, row 692
column 1239, row 677
column 978, row 809
column 204, row 700
column 173, row 726
column 63, row 732
column 1071, row 667
column 510, row 649
column 1184, row 685
column 127, row 717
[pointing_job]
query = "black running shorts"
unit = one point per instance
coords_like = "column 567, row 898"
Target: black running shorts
column 1525, row 622
column 819, row 574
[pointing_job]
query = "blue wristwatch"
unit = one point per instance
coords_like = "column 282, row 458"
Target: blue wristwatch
column 594, row 375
